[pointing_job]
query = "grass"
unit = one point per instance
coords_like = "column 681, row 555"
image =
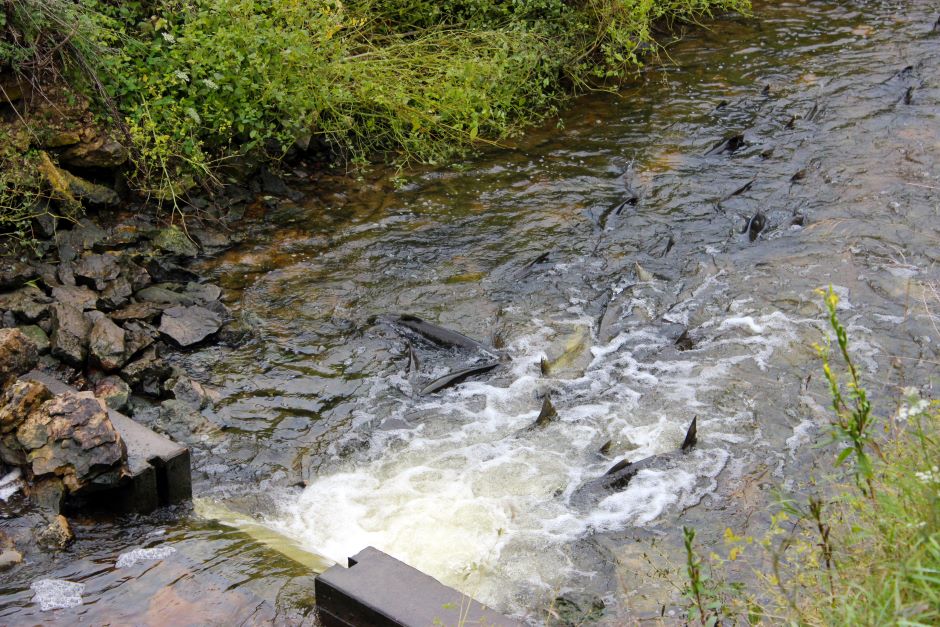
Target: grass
column 190, row 85
column 864, row 552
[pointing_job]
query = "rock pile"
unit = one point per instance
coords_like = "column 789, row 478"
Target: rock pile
column 108, row 303
column 64, row 444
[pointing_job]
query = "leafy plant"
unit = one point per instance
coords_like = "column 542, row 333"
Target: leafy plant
column 852, row 428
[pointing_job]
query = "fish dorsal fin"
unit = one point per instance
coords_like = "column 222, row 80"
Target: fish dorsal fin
column 623, row 463
column 547, row 414
column 691, row 436
column 414, row 364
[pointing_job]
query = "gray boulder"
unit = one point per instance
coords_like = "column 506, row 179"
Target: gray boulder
column 106, row 343
column 137, row 337
column 69, row 334
column 146, row 373
column 115, row 294
column 189, row 325
column 97, row 270
column 15, row 274
column 77, row 296
column 174, row 241
column 28, row 303
column 162, row 294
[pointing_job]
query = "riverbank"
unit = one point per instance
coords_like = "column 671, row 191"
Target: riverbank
column 170, row 101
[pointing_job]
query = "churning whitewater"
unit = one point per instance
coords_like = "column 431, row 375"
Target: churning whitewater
column 461, row 487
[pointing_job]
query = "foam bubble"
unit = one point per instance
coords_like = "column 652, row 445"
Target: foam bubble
column 10, row 484
column 130, row 558
column 57, row 594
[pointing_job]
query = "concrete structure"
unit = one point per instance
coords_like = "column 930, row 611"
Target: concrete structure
column 158, row 468
column 381, row 591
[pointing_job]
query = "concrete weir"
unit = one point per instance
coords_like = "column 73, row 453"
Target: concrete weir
column 158, row 469
column 379, row 590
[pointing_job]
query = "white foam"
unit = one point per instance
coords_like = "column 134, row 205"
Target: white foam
column 130, row 558
column 57, row 594
column 473, row 496
column 10, row 484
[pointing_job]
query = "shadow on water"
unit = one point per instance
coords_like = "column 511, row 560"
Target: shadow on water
column 624, row 250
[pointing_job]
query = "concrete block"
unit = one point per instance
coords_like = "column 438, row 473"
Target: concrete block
column 381, row 591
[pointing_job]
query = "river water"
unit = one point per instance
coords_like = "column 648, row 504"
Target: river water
column 320, row 444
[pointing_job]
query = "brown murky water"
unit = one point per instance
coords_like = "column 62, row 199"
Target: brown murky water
column 319, row 446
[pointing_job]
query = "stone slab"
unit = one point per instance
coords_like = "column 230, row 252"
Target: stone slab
column 381, row 591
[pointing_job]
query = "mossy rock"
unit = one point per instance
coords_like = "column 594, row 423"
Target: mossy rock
column 174, row 241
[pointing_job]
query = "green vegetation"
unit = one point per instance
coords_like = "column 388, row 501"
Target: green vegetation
column 190, row 84
column 866, row 553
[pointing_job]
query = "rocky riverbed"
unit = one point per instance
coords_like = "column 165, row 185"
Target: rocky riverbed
column 99, row 306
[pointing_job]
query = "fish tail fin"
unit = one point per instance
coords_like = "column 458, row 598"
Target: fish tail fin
column 691, row 436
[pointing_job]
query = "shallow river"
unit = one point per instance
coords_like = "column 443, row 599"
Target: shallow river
column 319, row 443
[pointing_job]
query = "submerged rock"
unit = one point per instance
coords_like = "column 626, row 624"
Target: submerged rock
column 72, row 437
column 191, row 392
column 9, row 556
column 18, row 354
column 56, row 535
column 48, row 494
column 182, row 420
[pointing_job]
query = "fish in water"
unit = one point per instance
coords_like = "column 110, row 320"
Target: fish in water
column 548, row 413
column 577, row 345
column 439, row 335
column 631, row 201
column 747, row 186
column 685, row 342
column 620, row 474
column 642, row 273
column 729, row 144
column 458, row 376
column 812, row 113
column 414, row 364
column 755, row 225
